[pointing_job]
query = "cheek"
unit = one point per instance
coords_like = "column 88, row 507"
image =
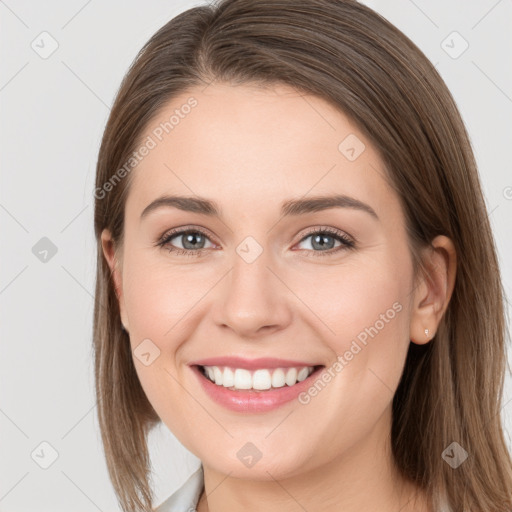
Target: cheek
column 156, row 299
column 163, row 305
column 362, row 311
column 157, row 296
column 352, row 297
column 367, row 310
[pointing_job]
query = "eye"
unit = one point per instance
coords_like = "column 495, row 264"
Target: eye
column 325, row 238
column 192, row 240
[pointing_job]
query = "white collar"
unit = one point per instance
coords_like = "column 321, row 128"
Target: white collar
column 187, row 496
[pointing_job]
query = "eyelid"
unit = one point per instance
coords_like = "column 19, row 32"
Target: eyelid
column 325, row 229
column 181, row 230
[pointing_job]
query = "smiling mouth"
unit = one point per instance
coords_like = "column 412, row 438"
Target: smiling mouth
column 264, row 379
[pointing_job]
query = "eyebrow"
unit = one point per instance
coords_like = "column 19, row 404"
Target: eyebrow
column 291, row 207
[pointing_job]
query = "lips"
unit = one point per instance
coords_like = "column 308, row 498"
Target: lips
column 252, row 364
column 250, row 400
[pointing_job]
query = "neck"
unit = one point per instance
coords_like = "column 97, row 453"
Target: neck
column 363, row 477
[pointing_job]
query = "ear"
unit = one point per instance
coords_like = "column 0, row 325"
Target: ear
column 433, row 292
column 115, row 271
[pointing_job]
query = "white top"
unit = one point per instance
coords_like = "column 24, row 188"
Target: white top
column 185, row 499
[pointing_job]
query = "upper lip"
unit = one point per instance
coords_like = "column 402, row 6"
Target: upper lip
column 250, row 364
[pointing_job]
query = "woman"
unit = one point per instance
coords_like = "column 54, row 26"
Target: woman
column 296, row 272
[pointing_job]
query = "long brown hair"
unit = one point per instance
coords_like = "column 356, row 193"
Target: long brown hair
column 347, row 54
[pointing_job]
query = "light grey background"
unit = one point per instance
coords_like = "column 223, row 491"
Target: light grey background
column 53, row 111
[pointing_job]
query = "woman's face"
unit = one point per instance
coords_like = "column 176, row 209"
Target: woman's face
column 257, row 282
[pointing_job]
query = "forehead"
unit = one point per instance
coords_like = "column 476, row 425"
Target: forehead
column 250, row 145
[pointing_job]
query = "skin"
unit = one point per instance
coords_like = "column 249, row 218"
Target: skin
column 249, row 149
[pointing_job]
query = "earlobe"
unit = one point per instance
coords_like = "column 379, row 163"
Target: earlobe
column 109, row 253
column 433, row 295
column 423, row 324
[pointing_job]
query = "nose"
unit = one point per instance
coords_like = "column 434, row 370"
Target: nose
column 254, row 301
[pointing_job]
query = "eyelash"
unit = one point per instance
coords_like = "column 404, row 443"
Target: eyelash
column 346, row 243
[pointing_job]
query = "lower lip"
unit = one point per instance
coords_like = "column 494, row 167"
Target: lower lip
column 254, row 401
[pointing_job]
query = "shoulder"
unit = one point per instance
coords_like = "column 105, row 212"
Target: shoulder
column 185, row 498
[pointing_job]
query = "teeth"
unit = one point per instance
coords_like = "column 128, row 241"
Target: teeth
column 228, row 378
column 240, row 378
column 291, row 376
